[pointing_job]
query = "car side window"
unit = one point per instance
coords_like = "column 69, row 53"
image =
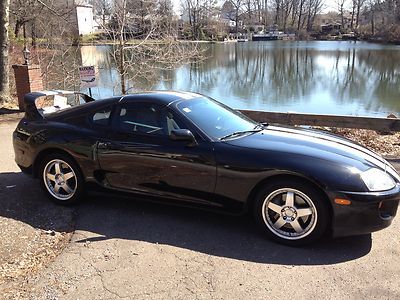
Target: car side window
column 101, row 117
column 141, row 118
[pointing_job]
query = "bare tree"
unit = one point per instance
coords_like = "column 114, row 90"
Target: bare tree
column 278, row 9
column 287, row 10
column 156, row 49
column 300, row 13
column 340, row 6
column 102, row 8
column 248, row 6
column 4, row 68
column 290, row 14
column 143, row 34
column 199, row 14
column 353, row 9
column 192, row 9
column 370, row 14
column 359, row 4
column 52, row 23
column 23, row 12
column 315, row 8
column 238, row 5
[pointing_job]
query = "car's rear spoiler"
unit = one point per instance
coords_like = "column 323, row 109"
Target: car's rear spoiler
column 30, row 100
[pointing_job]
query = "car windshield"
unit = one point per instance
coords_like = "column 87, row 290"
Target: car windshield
column 215, row 119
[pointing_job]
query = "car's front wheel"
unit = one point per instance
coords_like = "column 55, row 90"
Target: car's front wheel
column 61, row 179
column 292, row 212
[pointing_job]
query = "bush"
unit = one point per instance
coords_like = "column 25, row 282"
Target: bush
column 394, row 34
column 303, row 35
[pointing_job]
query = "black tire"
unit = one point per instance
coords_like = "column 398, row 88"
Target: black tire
column 305, row 219
column 70, row 189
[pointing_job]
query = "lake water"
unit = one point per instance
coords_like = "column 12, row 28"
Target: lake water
column 327, row 77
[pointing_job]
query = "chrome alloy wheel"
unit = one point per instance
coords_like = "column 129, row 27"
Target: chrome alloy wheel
column 289, row 213
column 60, row 179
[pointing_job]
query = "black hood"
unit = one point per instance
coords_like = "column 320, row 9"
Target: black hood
column 308, row 142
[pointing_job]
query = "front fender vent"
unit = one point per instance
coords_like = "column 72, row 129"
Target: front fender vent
column 39, row 137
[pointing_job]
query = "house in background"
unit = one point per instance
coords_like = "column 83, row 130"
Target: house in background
column 83, row 17
column 228, row 14
column 330, row 28
column 331, row 22
column 80, row 13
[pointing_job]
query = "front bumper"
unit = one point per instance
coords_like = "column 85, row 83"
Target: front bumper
column 368, row 211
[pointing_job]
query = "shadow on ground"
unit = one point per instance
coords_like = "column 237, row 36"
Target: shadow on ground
column 8, row 111
column 209, row 233
column 22, row 199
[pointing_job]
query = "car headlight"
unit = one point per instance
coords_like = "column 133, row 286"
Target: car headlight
column 377, row 180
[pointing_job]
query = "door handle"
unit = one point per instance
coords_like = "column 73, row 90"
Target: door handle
column 104, row 145
column 109, row 146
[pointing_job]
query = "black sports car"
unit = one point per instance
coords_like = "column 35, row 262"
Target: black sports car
column 179, row 147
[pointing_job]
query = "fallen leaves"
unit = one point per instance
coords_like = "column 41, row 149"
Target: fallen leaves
column 387, row 145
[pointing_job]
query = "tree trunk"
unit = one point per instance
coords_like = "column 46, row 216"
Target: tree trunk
column 353, row 9
column 358, row 12
column 309, row 17
column 33, row 34
column 372, row 22
column 4, row 68
column 265, row 15
column 277, row 12
column 398, row 11
column 18, row 25
column 300, row 14
column 237, row 21
column 341, row 10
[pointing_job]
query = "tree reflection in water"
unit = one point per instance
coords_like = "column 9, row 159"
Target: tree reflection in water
column 315, row 77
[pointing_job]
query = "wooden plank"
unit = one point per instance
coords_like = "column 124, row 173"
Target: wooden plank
column 372, row 123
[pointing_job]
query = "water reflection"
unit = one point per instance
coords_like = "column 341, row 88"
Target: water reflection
column 315, row 77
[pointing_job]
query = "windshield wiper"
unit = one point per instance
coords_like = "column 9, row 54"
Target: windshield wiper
column 256, row 129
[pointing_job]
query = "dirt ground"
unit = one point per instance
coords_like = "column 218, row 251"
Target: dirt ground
column 33, row 231
column 122, row 248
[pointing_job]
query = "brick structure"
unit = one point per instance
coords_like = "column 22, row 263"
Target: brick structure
column 28, row 78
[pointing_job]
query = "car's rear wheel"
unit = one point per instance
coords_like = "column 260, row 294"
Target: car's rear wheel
column 61, row 179
column 292, row 212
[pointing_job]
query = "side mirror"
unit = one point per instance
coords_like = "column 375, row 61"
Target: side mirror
column 183, row 135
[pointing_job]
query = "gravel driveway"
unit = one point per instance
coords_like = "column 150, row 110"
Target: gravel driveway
column 122, row 248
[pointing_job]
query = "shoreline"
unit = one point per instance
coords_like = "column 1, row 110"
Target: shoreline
column 135, row 42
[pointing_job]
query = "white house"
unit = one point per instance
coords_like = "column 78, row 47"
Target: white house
column 80, row 15
column 84, row 17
